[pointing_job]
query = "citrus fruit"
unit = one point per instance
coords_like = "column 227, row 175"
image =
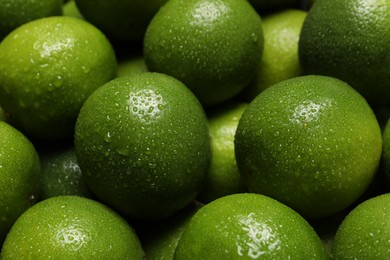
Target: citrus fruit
column 280, row 59
column 142, row 143
column 48, row 67
column 223, row 177
column 159, row 238
column 61, row 174
column 71, row 227
column 349, row 40
column 14, row 13
column 19, row 176
column 365, row 231
column 212, row 46
column 248, row 226
column 121, row 20
column 311, row 142
column 131, row 65
column 70, row 9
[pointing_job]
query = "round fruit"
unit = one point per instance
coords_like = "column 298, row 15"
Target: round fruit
column 248, row 226
column 280, row 59
column 311, row 142
column 212, row 46
column 349, row 40
column 70, row 9
column 48, row 67
column 131, row 66
column 14, row 13
column 70, row 227
column 365, row 232
column 61, row 174
column 19, row 176
column 121, row 20
column 223, row 177
column 142, row 143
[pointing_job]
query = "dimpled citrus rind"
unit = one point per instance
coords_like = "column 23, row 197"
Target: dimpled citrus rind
column 248, row 226
column 212, row 46
column 365, row 232
column 142, row 143
column 311, row 142
column 14, row 13
column 71, row 227
column 19, row 176
column 48, row 67
column 337, row 40
column 121, row 20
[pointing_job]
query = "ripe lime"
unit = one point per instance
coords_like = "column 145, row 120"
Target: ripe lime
column 349, row 40
column 223, row 177
column 14, row 13
column 212, row 46
column 71, row 227
column 48, row 67
column 70, row 9
column 61, row 174
column 19, row 176
column 142, row 143
column 248, row 226
column 280, row 59
column 311, row 142
column 365, row 232
column 121, row 20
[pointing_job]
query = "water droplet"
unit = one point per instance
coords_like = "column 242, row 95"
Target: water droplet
column 58, row 81
column 298, row 159
column 107, row 138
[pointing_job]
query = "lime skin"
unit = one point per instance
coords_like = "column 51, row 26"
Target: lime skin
column 143, row 145
column 312, row 142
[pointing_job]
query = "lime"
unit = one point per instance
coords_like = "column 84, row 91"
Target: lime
column 223, row 177
column 19, row 176
column 365, row 232
column 61, row 174
column 131, row 65
column 14, row 13
column 338, row 40
column 280, row 59
column 71, row 227
column 212, row 46
column 48, row 67
column 248, row 226
column 142, row 143
column 121, row 20
column 70, row 9
column 311, row 142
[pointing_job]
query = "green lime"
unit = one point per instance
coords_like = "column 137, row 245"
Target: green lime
column 280, row 59
column 120, row 19
column 248, row 226
column 311, row 142
column 61, row 174
column 212, row 46
column 71, row 227
column 142, row 143
column 159, row 239
column 48, row 67
column 349, row 39
column 70, row 9
column 223, row 177
column 14, row 13
column 19, row 176
column 365, row 231
column 131, row 65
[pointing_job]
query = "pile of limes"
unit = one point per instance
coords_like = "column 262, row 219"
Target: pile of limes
column 194, row 129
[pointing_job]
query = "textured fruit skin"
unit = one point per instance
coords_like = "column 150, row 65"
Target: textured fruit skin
column 14, row 13
column 48, row 67
column 212, row 46
column 71, row 227
column 248, row 226
column 121, row 20
column 19, row 176
column 223, row 177
column 311, row 142
column 349, row 40
column 365, row 231
column 142, row 143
